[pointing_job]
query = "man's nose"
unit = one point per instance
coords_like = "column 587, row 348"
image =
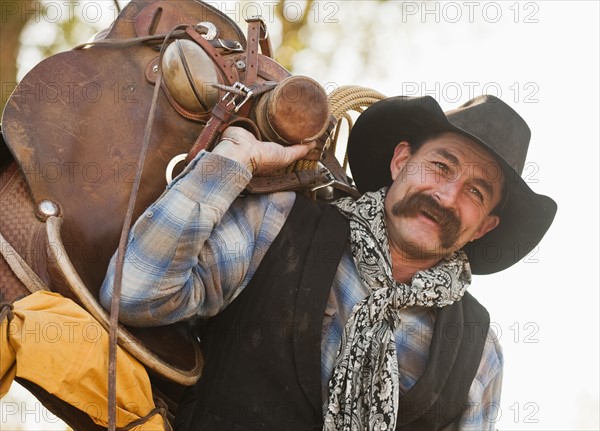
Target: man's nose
column 447, row 192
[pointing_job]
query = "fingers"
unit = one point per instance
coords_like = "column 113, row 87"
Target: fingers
column 296, row 152
column 262, row 158
column 272, row 157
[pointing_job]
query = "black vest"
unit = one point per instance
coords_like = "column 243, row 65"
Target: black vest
column 263, row 352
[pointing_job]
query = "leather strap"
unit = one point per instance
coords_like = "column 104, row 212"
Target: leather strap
column 329, row 160
column 266, row 48
column 229, row 73
column 255, row 25
column 256, row 32
column 120, row 258
column 260, row 32
column 300, row 180
column 219, row 120
column 157, row 39
column 290, row 181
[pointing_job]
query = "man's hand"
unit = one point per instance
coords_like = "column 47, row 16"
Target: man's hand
column 259, row 157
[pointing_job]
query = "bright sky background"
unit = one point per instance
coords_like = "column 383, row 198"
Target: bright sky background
column 542, row 58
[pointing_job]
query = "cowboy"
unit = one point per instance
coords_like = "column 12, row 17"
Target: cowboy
column 352, row 315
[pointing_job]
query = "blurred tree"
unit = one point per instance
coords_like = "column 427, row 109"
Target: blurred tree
column 17, row 16
column 292, row 40
column 13, row 22
column 296, row 20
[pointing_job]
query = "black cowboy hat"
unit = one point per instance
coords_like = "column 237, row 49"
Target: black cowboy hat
column 525, row 216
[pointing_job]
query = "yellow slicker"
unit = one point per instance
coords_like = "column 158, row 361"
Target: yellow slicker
column 54, row 343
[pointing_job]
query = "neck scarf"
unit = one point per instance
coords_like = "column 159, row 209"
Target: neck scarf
column 364, row 390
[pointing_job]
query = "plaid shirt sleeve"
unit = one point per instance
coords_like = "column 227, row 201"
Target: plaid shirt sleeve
column 482, row 409
column 194, row 249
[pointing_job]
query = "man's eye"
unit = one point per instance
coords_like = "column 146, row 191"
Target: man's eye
column 442, row 167
column 475, row 191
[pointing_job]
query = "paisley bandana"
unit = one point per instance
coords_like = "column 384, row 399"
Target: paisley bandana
column 364, row 389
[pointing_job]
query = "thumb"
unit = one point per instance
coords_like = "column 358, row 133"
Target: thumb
column 298, row 151
column 271, row 156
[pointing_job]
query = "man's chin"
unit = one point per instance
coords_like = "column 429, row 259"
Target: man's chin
column 425, row 251
column 421, row 239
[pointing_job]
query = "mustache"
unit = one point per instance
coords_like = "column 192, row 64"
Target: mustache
column 419, row 203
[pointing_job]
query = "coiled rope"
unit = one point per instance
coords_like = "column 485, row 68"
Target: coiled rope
column 342, row 101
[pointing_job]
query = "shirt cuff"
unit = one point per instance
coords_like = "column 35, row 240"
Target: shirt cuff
column 212, row 179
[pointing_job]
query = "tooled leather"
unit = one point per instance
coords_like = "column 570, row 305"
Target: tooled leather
column 22, row 230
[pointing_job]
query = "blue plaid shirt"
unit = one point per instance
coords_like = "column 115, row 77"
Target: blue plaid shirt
column 194, row 250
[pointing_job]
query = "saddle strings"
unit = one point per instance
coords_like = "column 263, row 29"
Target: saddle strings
column 115, row 301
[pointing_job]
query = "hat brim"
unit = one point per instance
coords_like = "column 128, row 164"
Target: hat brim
column 525, row 217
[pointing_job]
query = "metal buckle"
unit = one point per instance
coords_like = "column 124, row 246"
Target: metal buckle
column 211, row 29
column 239, row 89
column 330, row 178
column 230, row 45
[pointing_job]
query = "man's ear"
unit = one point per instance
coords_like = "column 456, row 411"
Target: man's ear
column 401, row 155
column 489, row 223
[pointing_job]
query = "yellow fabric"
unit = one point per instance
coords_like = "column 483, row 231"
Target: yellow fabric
column 57, row 345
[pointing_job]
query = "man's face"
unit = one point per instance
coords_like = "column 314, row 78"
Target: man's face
column 441, row 196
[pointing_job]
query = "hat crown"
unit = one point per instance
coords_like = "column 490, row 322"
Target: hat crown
column 497, row 126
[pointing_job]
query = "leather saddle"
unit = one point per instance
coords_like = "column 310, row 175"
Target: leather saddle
column 76, row 122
